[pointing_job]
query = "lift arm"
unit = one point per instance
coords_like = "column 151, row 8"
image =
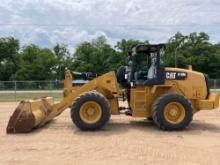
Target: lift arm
column 31, row 114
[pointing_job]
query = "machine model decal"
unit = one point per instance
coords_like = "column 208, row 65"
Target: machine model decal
column 173, row 75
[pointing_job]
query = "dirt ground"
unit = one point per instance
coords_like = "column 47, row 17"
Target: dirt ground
column 123, row 141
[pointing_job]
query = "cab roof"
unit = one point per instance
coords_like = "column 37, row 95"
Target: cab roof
column 147, row 48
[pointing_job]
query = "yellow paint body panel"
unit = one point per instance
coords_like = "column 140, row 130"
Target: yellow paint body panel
column 211, row 103
column 142, row 98
column 193, row 88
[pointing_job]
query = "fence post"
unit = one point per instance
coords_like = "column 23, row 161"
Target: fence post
column 215, row 84
column 15, row 90
column 51, row 87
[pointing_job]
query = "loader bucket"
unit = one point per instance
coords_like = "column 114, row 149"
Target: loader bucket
column 30, row 114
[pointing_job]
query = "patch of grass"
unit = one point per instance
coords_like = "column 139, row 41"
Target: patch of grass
column 19, row 96
column 10, row 97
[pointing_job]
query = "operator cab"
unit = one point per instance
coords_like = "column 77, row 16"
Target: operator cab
column 148, row 71
column 143, row 66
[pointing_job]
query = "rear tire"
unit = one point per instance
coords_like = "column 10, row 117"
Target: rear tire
column 90, row 111
column 172, row 111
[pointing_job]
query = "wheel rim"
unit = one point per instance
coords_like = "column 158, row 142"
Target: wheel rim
column 174, row 112
column 90, row 112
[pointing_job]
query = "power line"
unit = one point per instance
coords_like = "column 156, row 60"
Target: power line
column 106, row 25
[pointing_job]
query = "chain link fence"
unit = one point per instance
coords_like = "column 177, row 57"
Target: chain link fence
column 214, row 85
column 20, row 90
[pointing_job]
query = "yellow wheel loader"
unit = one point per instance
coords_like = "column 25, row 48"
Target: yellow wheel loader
column 168, row 96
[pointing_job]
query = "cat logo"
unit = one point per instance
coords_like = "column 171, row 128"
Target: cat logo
column 171, row 75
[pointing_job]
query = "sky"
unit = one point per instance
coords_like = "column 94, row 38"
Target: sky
column 47, row 22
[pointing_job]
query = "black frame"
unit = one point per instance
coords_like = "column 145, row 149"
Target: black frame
column 160, row 70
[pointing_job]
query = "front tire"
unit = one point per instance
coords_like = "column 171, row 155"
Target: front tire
column 172, row 111
column 90, row 111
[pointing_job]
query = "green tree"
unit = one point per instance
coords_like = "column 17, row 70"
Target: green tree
column 123, row 47
column 96, row 56
column 196, row 50
column 173, row 47
column 63, row 60
column 36, row 64
column 9, row 58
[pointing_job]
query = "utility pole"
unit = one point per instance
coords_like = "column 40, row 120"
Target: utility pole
column 177, row 53
column 176, row 57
